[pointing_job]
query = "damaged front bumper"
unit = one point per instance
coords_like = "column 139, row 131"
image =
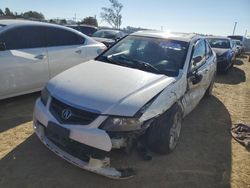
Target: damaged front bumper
column 97, row 165
column 86, row 148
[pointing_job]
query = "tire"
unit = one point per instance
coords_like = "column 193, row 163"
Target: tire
column 164, row 132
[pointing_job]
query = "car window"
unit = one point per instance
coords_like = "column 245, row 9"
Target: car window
column 87, row 30
column 24, row 37
column 63, row 37
column 209, row 51
column 199, row 53
column 105, row 34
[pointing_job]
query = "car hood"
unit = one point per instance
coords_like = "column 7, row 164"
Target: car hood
column 220, row 51
column 107, row 88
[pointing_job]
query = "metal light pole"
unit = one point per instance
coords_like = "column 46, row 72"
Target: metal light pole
column 235, row 24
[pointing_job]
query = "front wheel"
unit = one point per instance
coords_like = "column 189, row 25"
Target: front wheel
column 163, row 134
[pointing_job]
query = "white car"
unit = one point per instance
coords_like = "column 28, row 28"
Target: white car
column 140, row 88
column 33, row 52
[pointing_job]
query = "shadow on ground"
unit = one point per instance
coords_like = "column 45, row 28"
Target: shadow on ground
column 233, row 76
column 17, row 110
column 202, row 159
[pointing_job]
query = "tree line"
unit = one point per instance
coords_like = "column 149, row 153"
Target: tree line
column 111, row 15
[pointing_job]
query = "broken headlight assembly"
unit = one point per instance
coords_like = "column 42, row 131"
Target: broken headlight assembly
column 116, row 124
column 45, row 96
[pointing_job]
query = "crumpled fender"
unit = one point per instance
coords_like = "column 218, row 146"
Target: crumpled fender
column 162, row 103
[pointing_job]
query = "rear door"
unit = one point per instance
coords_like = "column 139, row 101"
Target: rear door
column 23, row 65
column 65, row 49
column 198, row 76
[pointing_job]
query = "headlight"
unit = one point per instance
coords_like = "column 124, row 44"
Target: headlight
column 117, row 124
column 114, row 124
column 45, row 96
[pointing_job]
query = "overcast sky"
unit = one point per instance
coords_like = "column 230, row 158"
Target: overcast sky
column 201, row 16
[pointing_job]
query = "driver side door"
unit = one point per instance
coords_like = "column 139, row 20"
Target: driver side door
column 197, row 78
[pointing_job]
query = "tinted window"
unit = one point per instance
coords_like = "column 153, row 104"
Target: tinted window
column 105, row 34
column 61, row 37
column 24, row 37
column 87, row 30
column 199, row 52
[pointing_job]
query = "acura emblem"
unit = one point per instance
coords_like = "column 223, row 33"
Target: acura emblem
column 66, row 114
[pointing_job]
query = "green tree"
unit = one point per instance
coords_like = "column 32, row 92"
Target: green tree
column 90, row 21
column 33, row 15
column 112, row 15
column 8, row 12
column 1, row 12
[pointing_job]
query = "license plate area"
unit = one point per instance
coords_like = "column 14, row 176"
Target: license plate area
column 57, row 134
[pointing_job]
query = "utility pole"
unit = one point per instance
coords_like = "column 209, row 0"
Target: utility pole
column 75, row 17
column 235, row 24
column 246, row 33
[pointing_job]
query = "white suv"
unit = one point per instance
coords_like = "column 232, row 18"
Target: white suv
column 140, row 88
column 33, row 52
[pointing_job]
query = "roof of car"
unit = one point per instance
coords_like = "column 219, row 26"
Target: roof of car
column 8, row 23
column 110, row 30
column 84, row 25
column 168, row 35
column 16, row 22
column 217, row 37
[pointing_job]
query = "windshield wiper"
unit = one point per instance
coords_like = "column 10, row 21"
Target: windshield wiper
column 141, row 64
column 113, row 59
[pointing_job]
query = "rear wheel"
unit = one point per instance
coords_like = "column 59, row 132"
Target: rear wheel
column 163, row 134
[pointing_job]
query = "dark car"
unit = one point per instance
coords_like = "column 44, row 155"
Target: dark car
column 108, row 37
column 222, row 46
column 85, row 29
column 240, row 38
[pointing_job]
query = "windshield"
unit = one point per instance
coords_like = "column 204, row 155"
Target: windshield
column 162, row 56
column 219, row 43
column 105, row 34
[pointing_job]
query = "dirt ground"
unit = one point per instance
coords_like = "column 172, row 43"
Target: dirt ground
column 206, row 156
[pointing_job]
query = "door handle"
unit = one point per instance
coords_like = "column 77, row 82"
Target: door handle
column 206, row 71
column 78, row 51
column 40, row 56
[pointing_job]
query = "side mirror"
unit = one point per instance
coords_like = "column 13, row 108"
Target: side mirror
column 195, row 77
column 196, row 60
column 2, row 46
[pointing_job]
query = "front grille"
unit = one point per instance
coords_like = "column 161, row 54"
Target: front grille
column 76, row 117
